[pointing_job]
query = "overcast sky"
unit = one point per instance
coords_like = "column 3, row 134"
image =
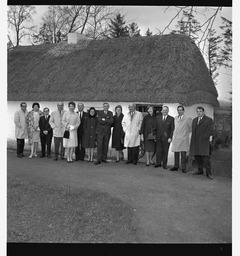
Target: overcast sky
column 157, row 18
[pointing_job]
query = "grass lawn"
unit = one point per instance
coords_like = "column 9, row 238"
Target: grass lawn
column 40, row 212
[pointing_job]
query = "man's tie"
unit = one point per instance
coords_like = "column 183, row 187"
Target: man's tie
column 164, row 118
column 46, row 117
column 80, row 115
column 199, row 119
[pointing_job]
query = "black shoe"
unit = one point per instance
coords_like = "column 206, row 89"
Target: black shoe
column 98, row 162
column 81, row 159
column 198, row 173
column 42, row 156
column 174, row 169
column 104, row 161
column 164, row 167
column 184, row 170
column 19, row 156
column 62, row 157
column 117, row 160
column 128, row 162
column 22, row 154
column 147, row 164
column 55, row 159
column 209, row 176
column 157, row 165
column 135, row 163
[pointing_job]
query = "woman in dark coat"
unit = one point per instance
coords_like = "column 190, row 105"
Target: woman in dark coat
column 149, row 128
column 89, row 133
column 118, row 134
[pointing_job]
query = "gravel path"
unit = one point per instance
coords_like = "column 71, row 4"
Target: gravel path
column 171, row 207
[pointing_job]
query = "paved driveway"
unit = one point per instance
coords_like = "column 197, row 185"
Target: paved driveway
column 171, row 207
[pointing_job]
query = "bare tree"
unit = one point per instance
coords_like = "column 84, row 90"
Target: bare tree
column 99, row 20
column 18, row 17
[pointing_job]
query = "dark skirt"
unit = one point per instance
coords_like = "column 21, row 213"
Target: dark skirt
column 150, row 146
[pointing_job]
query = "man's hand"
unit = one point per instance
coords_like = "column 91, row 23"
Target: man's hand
column 169, row 140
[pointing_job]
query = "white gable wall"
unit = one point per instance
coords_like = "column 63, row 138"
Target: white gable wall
column 13, row 106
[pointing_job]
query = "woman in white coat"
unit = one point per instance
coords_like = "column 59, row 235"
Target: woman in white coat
column 131, row 124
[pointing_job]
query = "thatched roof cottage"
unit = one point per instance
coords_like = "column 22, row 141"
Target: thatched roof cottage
column 166, row 69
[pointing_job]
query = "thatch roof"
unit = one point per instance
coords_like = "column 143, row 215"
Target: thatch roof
column 157, row 69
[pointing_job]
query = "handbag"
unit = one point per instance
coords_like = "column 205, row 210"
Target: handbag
column 66, row 134
column 151, row 136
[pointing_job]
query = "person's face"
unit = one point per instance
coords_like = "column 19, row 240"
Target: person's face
column 150, row 111
column 200, row 112
column 24, row 107
column 60, row 106
column 118, row 111
column 80, row 107
column 131, row 107
column 180, row 111
column 165, row 111
column 71, row 107
column 105, row 107
column 92, row 112
column 36, row 108
column 46, row 111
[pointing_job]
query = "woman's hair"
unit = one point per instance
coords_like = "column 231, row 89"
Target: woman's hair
column 92, row 108
column 118, row 106
column 71, row 103
column 150, row 106
column 35, row 103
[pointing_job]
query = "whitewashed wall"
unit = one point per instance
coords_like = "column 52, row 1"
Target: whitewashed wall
column 15, row 105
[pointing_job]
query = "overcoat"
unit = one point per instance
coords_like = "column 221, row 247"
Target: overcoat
column 132, row 127
column 89, row 131
column 20, row 124
column 200, row 136
column 149, row 125
column 45, row 126
column 118, row 134
column 81, row 126
column 56, row 123
column 181, row 139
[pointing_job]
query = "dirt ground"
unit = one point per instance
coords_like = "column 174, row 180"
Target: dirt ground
column 170, row 207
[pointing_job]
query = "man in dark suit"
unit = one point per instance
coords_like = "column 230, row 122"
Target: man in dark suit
column 46, row 133
column 79, row 150
column 103, row 131
column 202, row 134
column 165, row 128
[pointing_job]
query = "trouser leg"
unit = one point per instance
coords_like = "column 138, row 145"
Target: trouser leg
column 207, row 164
column 176, row 159
column 56, row 146
column 43, row 144
column 49, row 142
column 77, row 149
column 199, row 161
column 99, row 147
column 135, row 154
column 82, row 150
column 165, row 147
column 105, row 146
column 20, row 145
column 61, row 146
column 129, row 149
column 183, row 159
column 158, row 152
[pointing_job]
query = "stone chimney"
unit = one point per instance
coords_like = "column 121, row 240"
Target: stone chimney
column 74, row 38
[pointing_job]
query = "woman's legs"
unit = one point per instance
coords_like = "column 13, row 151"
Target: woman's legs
column 67, row 153
column 88, row 153
column 151, row 155
column 35, row 147
column 91, row 154
column 32, row 146
column 70, row 154
column 147, row 156
column 117, row 155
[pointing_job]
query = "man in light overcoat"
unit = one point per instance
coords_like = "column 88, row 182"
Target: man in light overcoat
column 58, row 130
column 202, row 134
column 21, row 128
column 131, row 124
column 181, row 138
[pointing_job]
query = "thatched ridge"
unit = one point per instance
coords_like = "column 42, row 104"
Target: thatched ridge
column 164, row 69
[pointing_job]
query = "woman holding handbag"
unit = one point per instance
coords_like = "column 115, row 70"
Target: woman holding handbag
column 71, row 122
column 148, row 134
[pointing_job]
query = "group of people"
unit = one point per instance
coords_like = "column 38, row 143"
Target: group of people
column 87, row 131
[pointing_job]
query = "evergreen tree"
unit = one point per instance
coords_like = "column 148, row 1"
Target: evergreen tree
column 214, row 55
column 148, row 32
column 226, row 51
column 117, row 27
column 133, row 29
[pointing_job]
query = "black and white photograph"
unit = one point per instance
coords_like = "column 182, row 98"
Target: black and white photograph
column 119, row 126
